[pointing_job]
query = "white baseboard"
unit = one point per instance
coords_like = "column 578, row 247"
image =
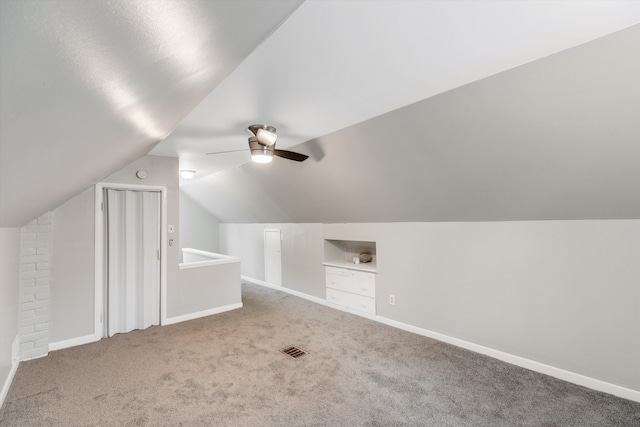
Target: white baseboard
column 532, row 365
column 191, row 316
column 310, row 298
column 289, row 291
column 7, row 383
column 15, row 350
column 15, row 361
column 94, row 337
column 59, row 345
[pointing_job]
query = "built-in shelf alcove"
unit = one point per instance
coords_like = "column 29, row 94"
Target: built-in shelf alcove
column 340, row 253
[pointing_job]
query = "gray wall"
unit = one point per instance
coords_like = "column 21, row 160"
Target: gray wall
column 72, row 269
column 9, row 285
column 198, row 228
column 207, row 288
column 563, row 293
column 302, row 252
column 553, row 139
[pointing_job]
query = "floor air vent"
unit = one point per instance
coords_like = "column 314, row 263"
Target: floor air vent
column 293, row 351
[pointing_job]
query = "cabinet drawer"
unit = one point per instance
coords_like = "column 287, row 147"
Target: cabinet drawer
column 352, row 301
column 362, row 275
column 337, row 271
column 351, row 284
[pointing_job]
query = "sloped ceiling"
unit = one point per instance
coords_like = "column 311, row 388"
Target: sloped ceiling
column 558, row 138
column 87, row 87
column 333, row 64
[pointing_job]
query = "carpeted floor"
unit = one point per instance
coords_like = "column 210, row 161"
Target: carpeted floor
column 227, row 370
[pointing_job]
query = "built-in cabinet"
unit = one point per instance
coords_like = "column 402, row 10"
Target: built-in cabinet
column 349, row 284
column 352, row 289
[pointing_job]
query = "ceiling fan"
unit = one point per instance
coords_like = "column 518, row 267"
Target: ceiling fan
column 263, row 146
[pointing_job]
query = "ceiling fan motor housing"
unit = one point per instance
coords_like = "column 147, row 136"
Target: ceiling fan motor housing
column 265, row 134
column 259, row 151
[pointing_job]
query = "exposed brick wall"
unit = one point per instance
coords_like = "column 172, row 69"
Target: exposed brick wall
column 34, row 288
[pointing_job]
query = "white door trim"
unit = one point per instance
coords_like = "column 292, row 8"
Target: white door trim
column 98, row 324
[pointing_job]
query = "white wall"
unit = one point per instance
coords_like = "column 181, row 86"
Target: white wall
column 9, row 285
column 35, row 287
column 198, row 228
column 562, row 293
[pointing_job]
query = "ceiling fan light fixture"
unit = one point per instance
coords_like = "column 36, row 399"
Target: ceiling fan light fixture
column 187, row 174
column 266, row 137
column 260, row 153
column 261, row 158
column 265, row 134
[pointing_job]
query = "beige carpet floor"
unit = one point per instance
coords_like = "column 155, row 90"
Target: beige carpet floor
column 226, row 370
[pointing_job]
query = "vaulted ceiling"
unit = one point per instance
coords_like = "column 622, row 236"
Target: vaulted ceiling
column 558, row 138
column 88, row 87
column 410, row 111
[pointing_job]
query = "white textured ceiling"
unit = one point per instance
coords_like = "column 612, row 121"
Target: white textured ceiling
column 331, row 65
column 89, row 86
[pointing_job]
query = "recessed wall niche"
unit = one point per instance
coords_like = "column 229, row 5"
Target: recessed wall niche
column 340, row 253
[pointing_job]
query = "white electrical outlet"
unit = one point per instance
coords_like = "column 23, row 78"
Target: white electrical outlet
column 392, row 299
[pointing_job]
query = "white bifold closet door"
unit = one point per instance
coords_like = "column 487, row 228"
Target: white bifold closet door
column 133, row 257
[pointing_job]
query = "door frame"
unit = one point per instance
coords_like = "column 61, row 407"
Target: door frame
column 99, row 282
column 271, row 230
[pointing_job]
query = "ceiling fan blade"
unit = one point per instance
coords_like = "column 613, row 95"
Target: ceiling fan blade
column 290, row 155
column 230, row 151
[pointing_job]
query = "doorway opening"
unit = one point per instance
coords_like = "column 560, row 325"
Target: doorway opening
column 130, row 263
column 272, row 257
